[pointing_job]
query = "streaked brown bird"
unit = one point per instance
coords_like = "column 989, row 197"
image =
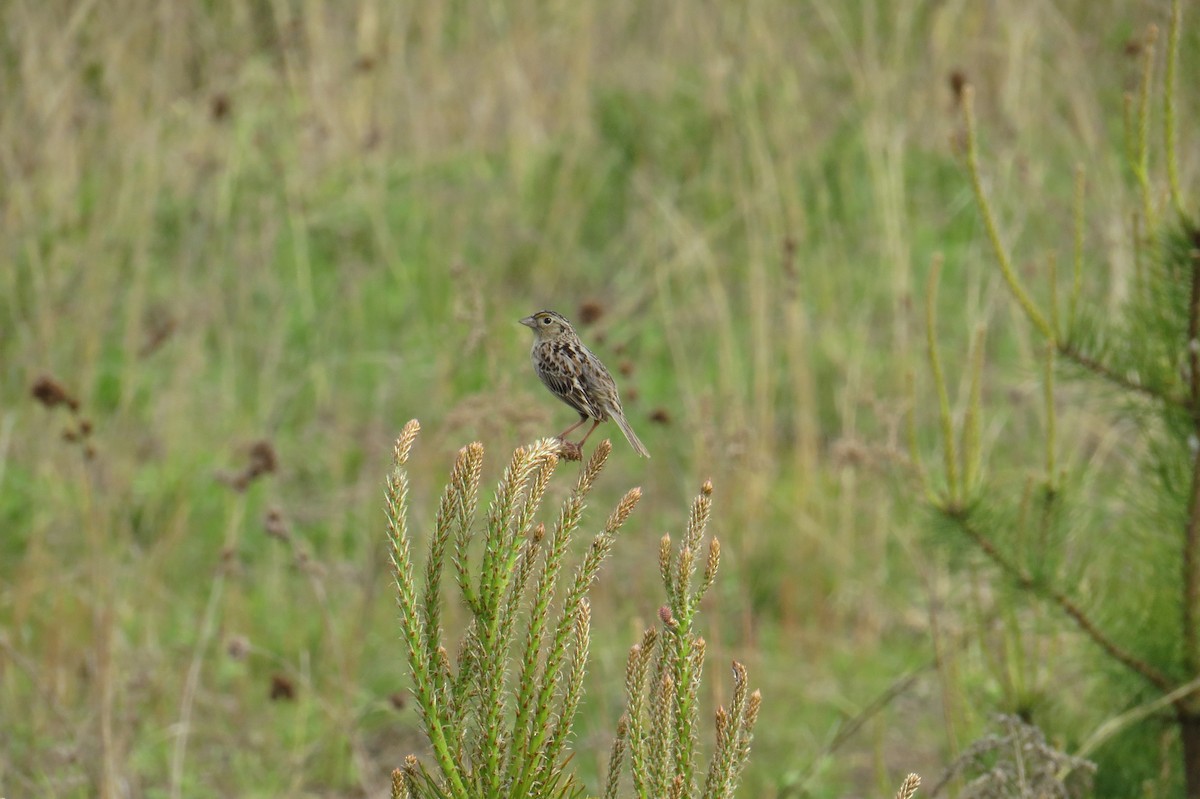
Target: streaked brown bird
column 576, row 376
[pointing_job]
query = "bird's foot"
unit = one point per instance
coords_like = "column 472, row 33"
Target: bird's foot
column 569, row 450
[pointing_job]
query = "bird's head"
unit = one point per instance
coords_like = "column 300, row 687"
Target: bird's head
column 548, row 325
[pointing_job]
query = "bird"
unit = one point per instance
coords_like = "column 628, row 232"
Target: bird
column 576, row 376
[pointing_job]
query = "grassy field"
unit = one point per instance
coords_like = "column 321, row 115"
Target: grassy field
column 305, row 223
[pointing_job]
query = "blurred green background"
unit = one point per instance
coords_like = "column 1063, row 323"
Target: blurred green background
column 304, row 223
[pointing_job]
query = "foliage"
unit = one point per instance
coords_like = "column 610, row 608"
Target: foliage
column 238, row 228
column 1145, row 358
column 499, row 719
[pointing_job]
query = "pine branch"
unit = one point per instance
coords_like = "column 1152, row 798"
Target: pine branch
column 1066, row 605
column 1072, row 353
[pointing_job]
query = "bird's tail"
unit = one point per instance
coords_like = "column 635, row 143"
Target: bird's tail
column 631, row 436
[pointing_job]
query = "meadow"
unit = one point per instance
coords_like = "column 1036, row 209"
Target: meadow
column 243, row 243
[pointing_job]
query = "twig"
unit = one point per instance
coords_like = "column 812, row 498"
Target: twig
column 1067, row 606
column 1071, row 353
column 207, row 630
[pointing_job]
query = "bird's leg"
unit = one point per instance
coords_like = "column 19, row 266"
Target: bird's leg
column 595, row 424
column 563, row 435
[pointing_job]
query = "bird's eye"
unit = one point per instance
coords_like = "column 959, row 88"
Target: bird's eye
column 545, row 320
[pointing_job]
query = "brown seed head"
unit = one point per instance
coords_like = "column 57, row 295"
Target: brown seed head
column 958, row 82
column 219, row 106
column 623, row 509
column 404, row 442
column 649, row 637
column 633, row 664
column 275, row 525
column 237, row 647
column 159, row 325
column 908, row 787
column 590, row 311
column 52, row 393
column 282, row 688
column 698, row 650
column 753, row 705
column 262, row 459
column 722, row 720
column 713, row 561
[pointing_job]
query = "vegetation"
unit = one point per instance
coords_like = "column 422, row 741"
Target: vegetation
column 243, row 243
column 1146, row 350
column 499, row 720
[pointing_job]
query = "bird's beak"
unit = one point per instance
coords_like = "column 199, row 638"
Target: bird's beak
column 529, row 321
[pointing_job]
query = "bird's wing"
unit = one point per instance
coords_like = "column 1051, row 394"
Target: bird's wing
column 600, row 384
column 563, row 373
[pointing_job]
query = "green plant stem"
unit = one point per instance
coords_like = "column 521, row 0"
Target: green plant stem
column 1169, row 105
column 616, row 759
column 208, row 628
column 1055, row 315
column 989, row 221
column 1191, row 543
column 914, row 447
column 1118, row 723
column 1139, row 270
column 1051, row 414
column 1077, row 248
column 535, row 635
column 421, row 660
column 685, row 712
column 950, row 457
column 1066, row 605
column 1141, row 165
column 972, row 448
column 412, row 626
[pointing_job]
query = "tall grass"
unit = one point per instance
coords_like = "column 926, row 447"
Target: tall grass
column 305, row 222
